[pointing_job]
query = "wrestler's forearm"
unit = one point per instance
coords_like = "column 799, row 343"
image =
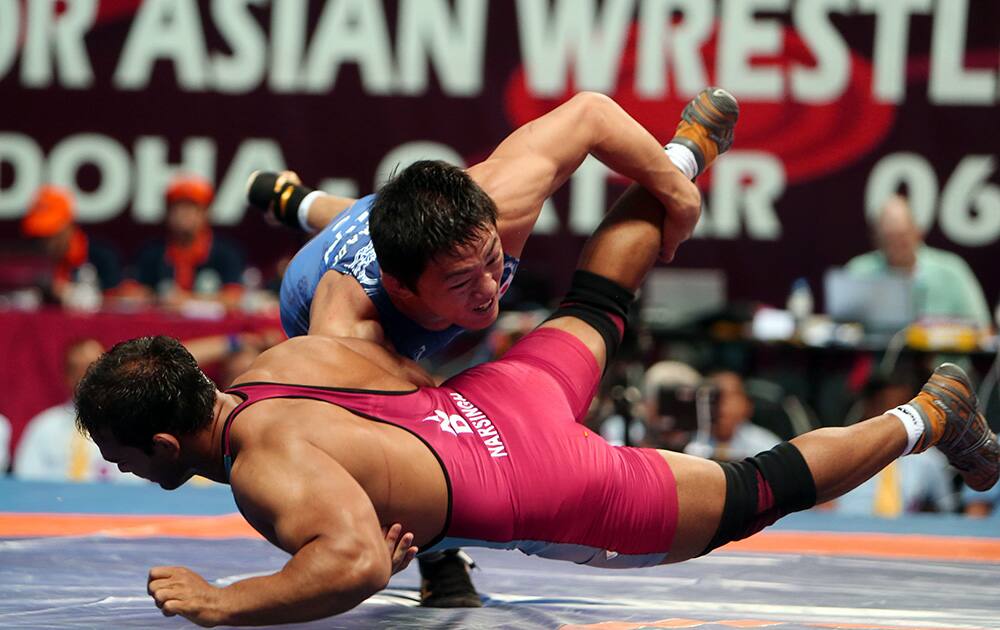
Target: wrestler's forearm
column 534, row 161
column 625, row 146
column 325, row 209
column 311, row 586
column 627, row 244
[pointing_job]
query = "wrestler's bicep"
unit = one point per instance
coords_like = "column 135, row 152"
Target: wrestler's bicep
column 294, row 494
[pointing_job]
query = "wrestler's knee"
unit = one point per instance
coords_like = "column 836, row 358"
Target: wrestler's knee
column 762, row 489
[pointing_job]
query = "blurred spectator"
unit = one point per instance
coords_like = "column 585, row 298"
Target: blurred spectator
column 51, row 448
column 944, row 285
column 84, row 268
column 915, row 483
column 658, row 430
column 4, row 444
column 733, row 436
column 191, row 263
column 981, row 504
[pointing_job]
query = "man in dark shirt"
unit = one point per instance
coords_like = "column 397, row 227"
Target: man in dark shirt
column 191, row 261
column 77, row 260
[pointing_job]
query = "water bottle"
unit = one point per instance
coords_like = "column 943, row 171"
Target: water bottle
column 85, row 293
column 800, row 301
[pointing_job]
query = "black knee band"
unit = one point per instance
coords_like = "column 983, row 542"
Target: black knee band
column 791, row 483
column 283, row 204
column 597, row 301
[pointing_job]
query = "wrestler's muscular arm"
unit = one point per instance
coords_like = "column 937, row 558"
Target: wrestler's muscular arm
column 540, row 156
column 339, row 557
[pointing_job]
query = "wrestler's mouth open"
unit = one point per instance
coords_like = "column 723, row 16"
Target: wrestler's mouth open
column 482, row 308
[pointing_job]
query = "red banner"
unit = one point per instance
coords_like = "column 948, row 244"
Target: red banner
column 842, row 103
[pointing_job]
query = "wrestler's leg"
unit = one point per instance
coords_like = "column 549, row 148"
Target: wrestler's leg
column 838, row 458
column 824, row 464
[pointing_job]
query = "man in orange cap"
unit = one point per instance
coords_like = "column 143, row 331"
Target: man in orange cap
column 77, row 258
column 191, row 261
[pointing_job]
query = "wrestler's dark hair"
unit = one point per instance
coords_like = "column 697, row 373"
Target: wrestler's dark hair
column 143, row 387
column 428, row 209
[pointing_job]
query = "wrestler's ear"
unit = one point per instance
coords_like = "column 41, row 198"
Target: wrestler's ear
column 395, row 286
column 166, row 445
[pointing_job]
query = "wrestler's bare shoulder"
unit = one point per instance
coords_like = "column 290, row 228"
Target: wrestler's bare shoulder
column 326, row 362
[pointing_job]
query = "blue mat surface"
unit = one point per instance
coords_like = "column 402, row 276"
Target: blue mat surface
column 99, row 581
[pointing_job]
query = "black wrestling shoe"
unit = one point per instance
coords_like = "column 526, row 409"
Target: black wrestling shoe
column 445, row 581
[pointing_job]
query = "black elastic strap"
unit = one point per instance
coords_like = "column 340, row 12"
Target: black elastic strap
column 785, row 470
column 597, row 301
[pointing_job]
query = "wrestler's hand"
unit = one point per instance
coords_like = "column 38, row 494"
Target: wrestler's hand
column 262, row 195
column 180, row 591
column 287, row 177
column 400, row 547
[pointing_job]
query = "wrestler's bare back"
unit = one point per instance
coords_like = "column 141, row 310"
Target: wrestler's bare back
column 400, row 475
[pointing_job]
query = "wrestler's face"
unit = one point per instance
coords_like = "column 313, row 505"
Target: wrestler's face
column 464, row 286
column 161, row 465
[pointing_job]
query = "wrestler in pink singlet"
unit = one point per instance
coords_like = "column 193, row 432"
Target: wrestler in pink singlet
column 521, row 472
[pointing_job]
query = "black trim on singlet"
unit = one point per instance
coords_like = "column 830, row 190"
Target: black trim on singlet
column 242, row 406
column 347, row 390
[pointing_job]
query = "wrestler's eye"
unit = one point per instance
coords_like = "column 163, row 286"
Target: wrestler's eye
column 460, row 284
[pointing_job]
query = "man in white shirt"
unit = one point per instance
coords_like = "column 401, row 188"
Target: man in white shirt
column 51, row 448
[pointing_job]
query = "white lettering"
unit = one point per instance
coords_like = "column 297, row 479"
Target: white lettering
column 575, row 30
column 548, row 219
column 588, row 194
column 288, row 28
column 829, row 78
column 244, row 69
column 970, row 204
column 741, row 37
column 25, row 159
column 457, row 49
column 253, row 154
column 950, row 82
column 747, row 183
column 892, row 34
column 350, row 31
column 65, row 34
column 154, row 172
column 164, row 29
column 112, row 162
column 10, row 22
column 907, row 170
column 660, row 39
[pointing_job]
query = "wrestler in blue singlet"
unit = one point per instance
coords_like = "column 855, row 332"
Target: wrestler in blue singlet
column 345, row 246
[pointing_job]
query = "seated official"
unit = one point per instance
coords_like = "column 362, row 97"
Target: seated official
column 85, row 269
column 192, row 262
column 944, row 285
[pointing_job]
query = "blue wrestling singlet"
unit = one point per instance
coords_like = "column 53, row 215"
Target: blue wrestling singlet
column 346, row 247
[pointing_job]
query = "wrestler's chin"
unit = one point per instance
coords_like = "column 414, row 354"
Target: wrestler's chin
column 173, row 484
column 478, row 320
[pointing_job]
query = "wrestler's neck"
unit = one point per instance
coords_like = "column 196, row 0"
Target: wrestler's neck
column 204, row 446
column 412, row 306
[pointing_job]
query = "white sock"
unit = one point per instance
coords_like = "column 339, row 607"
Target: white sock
column 683, row 159
column 303, row 212
column 912, row 422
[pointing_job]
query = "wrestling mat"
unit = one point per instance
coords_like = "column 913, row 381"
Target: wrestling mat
column 76, row 556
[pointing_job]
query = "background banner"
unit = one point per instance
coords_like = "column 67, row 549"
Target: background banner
column 843, row 102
